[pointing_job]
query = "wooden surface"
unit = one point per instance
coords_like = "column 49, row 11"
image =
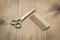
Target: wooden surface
column 8, row 12
column 53, row 33
column 30, row 31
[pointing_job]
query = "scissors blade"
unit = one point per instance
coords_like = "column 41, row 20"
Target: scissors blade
column 27, row 14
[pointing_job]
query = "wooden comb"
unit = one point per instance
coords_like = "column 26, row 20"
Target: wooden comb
column 40, row 21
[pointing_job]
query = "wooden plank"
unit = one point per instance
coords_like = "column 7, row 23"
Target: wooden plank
column 53, row 33
column 8, row 12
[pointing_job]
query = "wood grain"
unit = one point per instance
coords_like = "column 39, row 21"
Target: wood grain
column 8, row 12
column 53, row 33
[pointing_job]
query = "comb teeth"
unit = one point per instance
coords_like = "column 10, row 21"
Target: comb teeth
column 42, row 23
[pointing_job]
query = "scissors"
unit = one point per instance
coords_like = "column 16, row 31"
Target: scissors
column 17, row 23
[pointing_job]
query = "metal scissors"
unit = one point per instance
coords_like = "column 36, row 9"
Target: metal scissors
column 17, row 23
